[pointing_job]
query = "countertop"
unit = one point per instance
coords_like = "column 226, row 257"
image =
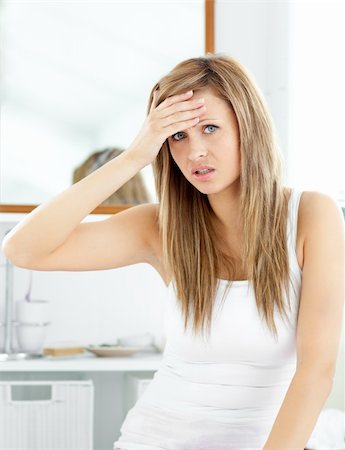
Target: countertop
column 85, row 362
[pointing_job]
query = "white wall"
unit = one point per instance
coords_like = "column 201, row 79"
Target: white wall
column 257, row 34
column 92, row 307
column 317, row 94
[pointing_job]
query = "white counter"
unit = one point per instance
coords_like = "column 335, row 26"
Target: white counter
column 85, row 363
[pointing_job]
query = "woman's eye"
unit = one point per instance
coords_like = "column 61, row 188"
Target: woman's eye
column 214, row 126
column 176, row 134
column 179, row 133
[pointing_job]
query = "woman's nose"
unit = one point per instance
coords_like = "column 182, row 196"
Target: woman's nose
column 196, row 148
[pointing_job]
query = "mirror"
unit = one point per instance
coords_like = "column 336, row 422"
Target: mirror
column 76, row 79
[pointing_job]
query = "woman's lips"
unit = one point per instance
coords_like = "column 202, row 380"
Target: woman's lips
column 204, row 176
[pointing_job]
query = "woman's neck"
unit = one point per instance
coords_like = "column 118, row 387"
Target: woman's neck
column 226, row 209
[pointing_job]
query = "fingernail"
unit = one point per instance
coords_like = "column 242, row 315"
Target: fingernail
column 189, row 92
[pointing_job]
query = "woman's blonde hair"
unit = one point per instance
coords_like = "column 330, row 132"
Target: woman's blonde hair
column 193, row 251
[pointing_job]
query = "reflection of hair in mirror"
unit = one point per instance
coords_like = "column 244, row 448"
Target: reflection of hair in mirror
column 133, row 192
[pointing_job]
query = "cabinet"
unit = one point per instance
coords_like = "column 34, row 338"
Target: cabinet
column 117, row 384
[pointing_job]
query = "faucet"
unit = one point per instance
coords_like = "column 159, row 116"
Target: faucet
column 9, row 354
column 8, row 307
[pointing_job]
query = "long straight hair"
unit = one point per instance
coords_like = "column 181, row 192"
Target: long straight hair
column 193, row 250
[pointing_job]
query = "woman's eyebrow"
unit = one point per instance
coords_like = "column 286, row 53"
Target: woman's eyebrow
column 208, row 120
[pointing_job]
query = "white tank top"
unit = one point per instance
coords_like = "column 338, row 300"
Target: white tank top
column 223, row 393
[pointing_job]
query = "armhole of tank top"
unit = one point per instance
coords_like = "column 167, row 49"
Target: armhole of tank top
column 294, row 203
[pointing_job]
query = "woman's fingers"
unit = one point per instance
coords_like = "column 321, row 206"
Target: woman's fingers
column 182, row 116
column 174, row 114
column 173, row 104
column 186, row 105
column 174, row 99
column 174, row 128
column 178, row 109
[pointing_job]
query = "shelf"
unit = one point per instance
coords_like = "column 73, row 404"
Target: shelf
column 142, row 361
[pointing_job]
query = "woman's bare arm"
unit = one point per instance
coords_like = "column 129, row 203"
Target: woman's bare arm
column 49, row 226
column 124, row 239
column 52, row 236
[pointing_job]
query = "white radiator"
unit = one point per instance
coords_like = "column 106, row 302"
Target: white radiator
column 46, row 415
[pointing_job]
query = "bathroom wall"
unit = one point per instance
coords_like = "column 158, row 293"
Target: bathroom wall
column 91, row 307
column 257, row 34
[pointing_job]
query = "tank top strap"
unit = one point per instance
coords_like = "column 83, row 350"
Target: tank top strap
column 294, row 200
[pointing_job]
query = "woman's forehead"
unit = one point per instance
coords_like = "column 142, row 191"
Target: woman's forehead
column 216, row 106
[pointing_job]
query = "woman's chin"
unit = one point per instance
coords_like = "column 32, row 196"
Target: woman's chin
column 207, row 190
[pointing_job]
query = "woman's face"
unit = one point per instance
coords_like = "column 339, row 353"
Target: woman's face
column 214, row 142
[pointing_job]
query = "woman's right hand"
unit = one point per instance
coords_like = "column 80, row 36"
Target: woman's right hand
column 174, row 114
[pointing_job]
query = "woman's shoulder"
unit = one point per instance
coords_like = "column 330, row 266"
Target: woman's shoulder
column 321, row 224
column 318, row 208
column 318, row 203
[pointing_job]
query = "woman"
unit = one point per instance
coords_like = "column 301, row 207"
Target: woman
column 247, row 365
